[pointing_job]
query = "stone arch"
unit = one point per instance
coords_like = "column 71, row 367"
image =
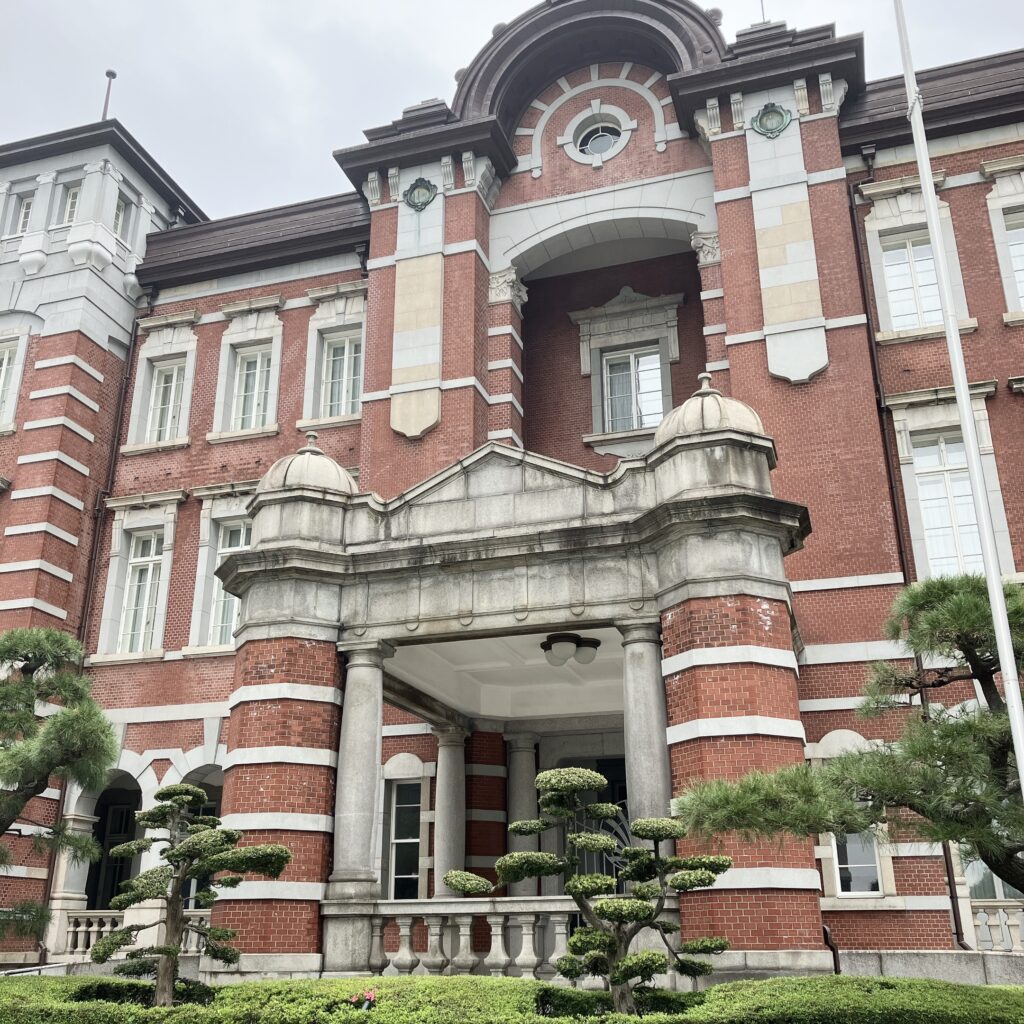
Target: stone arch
column 839, row 741
column 524, row 56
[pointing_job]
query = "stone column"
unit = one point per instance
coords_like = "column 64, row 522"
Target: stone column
column 522, row 800
column 355, row 805
column 69, row 880
column 648, row 780
column 449, row 808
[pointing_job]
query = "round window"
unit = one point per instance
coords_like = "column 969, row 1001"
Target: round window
column 598, row 140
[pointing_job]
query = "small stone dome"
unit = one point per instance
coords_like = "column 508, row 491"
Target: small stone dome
column 708, row 409
column 308, row 469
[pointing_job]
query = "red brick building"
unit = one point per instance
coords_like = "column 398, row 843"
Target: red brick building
column 495, row 338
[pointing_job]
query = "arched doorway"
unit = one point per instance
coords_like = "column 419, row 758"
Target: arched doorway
column 115, row 824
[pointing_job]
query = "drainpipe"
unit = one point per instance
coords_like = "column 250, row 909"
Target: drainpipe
column 868, row 155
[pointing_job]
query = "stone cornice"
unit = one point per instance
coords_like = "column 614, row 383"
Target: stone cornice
column 146, row 500
column 874, row 190
column 1004, row 165
column 184, row 317
column 933, row 396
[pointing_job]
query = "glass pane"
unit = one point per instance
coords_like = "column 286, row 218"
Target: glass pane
column 648, row 383
column 407, row 859
column 406, row 888
column 619, row 390
column 856, row 863
column 407, row 822
column 981, row 881
column 407, row 793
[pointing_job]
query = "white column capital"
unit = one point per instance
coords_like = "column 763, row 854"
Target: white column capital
column 521, row 740
column 640, row 632
column 449, row 736
column 370, row 655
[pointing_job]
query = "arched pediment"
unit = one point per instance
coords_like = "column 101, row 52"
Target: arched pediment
column 557, row 37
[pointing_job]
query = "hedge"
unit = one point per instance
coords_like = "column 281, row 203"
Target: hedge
column 461, row 1000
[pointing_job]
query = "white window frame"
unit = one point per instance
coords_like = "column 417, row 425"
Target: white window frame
column 351, row 383
column 171, row 430
column 260, row 358
column 122, row 217
column 909, row 246
column 222, row 503
column 164, row 345
column 156, row 513
column 221, row 599
column 1014, row 220
column 898, row 213
column 933, row 411
column 13, row 347
column 404, row 768
column 632, row 354
column 945, row 471
column 393, row 842
column 1006, row 200
column 70, row 201
column 857, row 893
column 249, row 331
column 340, row 313
column 150, row 568
column 22, row 216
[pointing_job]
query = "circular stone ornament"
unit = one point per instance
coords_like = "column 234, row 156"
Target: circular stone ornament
column 771, row 120
column 420, row 194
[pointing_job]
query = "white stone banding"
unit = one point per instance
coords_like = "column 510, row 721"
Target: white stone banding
column 740, row 725
column 777, row 657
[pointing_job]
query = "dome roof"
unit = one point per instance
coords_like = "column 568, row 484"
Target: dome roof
column 308, row 469
column 708, row 409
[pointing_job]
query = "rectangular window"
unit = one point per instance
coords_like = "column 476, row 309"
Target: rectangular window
column 145, row 562
column 23, row 215
column 857, row 864
column 121, row 218
column 165, row 402
column 947, row 508
column 1015, row 238
column 342, row 383
column 405, row 841
column 911, row 284
column 252, row 389
column 69, row 206
column 232, row 537
column 7, row 395
column 632, row 390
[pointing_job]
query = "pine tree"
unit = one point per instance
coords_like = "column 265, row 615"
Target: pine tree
column 602, row 946
column 195, row 849
column 70, row 741
column 953, row 767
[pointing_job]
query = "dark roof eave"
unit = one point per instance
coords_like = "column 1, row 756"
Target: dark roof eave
column 483, row 136
column 843, row 57
column 112, row 133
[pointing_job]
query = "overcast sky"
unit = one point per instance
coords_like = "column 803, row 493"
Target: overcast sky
column 242, row 101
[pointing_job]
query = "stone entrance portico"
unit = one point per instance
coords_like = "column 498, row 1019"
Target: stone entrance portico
column 679, row 552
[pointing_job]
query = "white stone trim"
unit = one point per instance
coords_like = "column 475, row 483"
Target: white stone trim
column 506, row 434
column 43, row 364
column 21, row 871
column 818, row 704
column 768, row 878
column 255, row 328
column 78, row 467
column 712, row 329
column 53, row 531
column 493, row 771
column 497, row 332
column 283, row 691
column 716, row 364
column 16, row 603
column 1007, row 194
column 864, row 650
column 475, row 814
column 741, row 653
column 340, row 311
column 273, row 821
column 60, row 421
column 744, row 338
column 166, row 343
column 480, row 862
column 712, row 293
column 862, row 903
column 881, row 579
column 280, row 755
column 166, row 713
column 50, row 492
column 740, row 725
column 312, row 892
column 915, row 849
column 65, row 389
column 16, row 339
column 506, row 364
column 410, row 729
column 38, row 564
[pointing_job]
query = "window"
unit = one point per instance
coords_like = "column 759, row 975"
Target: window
column 165, row 402
column 947, row 508
column 597, row 141
column 252, row 389
column 632, row 390
column 986, row 886
column 1015, row 239
column 857, row 864
column 342, row 382
column 911, row 284
column 8, row 353
column 23, row 214
column 69, row 204
column 121, row 218
column 145, row 558
column 232, row 537
column 405, row 840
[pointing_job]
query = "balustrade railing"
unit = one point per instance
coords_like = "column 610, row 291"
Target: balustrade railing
column 193, row 944
column 997, row 924
column 85, row 928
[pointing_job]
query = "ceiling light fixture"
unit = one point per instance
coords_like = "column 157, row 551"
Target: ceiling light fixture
column 558, row 648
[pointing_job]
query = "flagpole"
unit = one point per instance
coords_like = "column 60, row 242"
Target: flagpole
column 993, row 576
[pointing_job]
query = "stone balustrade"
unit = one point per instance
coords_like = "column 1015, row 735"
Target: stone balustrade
column 997, row 924
column 83, row 929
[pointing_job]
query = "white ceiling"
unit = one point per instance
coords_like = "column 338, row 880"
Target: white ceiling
column 509, row 677
column 609, row 254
